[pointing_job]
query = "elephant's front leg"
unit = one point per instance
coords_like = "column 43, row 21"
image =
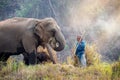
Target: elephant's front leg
column 26, row 58
column 30, row 49
column 32, row 57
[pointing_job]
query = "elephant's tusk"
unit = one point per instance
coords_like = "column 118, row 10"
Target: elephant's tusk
column 57, row 44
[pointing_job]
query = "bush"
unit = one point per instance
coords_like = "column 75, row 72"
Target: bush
column 92, row 56
column 116, row 71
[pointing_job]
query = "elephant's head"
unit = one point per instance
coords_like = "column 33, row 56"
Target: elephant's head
column 49, row 32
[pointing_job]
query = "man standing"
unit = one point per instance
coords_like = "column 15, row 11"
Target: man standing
column 80, row 51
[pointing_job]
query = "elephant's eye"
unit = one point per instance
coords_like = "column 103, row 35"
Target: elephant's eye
column 53, row 32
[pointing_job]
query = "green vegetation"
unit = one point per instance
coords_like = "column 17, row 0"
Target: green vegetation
column 66, row 71
column 116, row 71
column 3, row 3
column 26, row 7
column 8, row 8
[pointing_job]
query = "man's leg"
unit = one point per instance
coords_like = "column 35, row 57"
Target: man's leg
column 79, row 55
column 83, row 60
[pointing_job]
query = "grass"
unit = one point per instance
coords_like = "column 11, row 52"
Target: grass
column 49, row 71
column 96, row 70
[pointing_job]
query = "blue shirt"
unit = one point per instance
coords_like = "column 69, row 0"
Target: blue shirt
column 80, row 48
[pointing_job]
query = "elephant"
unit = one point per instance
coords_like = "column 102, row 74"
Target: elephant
column 20, row 35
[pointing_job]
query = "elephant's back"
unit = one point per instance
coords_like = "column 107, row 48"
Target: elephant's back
column 16, row 26
column 18, row 22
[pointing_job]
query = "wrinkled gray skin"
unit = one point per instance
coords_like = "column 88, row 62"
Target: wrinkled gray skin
column 24, row 35
column 52, row 54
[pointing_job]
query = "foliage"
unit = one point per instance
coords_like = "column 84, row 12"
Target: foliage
column 8, row 7
column 26, row 7
column 3, row 3
column 116, row 71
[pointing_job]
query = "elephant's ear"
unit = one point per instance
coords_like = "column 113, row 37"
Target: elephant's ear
column 39, row 30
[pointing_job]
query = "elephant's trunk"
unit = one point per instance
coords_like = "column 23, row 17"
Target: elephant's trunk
column 51, row 53
column 60, row 41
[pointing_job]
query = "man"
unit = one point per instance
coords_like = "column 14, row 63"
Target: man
column 80, row 51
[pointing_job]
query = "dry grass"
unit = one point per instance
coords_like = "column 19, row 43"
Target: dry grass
column 51, row 71
column 66, row 71
column 92, row 56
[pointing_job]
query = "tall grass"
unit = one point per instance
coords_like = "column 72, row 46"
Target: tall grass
column 96, row 70
column 51, row 71
column 116, row 71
